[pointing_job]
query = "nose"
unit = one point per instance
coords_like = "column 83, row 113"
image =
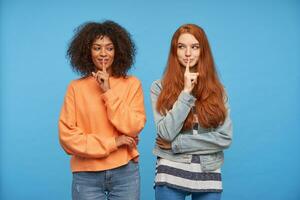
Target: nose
column 188, row 52
column 103, row 52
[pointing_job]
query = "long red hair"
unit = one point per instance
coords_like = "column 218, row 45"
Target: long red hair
column 209, row 91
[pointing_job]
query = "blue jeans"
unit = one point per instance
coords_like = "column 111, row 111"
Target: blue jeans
column 168, row 193
column 122, row 183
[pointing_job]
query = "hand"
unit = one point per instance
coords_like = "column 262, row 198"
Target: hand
column 190, row 79
column 137, row 140
column 102, row 78
column 162, row 143
column 136, row 159
column 126, row 140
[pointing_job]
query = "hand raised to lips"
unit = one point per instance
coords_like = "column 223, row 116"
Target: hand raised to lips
column 190, row 79
column 102, row 77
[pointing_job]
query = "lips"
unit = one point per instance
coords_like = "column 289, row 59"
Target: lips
column 186, row 60
column 105, row 61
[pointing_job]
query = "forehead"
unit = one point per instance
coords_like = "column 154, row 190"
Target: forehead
column 102, row 40
column 187, row 38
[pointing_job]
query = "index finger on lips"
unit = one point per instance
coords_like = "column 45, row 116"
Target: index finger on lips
column 103, row 67
column 187, row 67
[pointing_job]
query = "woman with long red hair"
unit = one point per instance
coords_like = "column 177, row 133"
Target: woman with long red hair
column 193, row 124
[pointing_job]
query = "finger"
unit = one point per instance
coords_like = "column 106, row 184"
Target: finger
column 193, row 79
column 158, row 140
column 97, row 72
column 100, row 72
column 128, row 143
column 97, row 75
column 101, row 77
column 187, row 67
column 194, row 74
column 132, row 142
column 94, row 74
column 103, row 66
column 160, row 145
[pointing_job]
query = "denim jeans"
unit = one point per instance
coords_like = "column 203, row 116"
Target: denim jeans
column 168, row 193
column 122, row 183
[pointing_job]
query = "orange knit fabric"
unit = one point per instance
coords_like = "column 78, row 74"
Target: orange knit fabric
column 90, row 120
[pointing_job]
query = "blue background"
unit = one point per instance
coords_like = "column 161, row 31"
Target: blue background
column 256, row 46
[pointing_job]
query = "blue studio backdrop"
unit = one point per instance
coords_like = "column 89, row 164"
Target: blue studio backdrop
column 256, row 46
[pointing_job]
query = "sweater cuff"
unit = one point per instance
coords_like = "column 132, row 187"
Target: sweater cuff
column 112, row 145
column 187, row 98
column 176, row 144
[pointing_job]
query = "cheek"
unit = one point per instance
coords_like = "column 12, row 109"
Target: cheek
column 112, row 55
column 197, row 55
column 180, row 55
column 93, row 54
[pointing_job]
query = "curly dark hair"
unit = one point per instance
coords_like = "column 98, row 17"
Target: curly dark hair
column 79, row 51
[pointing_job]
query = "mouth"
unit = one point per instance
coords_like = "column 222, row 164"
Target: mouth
column 186, row 60
column 103, row 60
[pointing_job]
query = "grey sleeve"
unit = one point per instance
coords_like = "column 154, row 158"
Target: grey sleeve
column 218, row 139
column 169, row 126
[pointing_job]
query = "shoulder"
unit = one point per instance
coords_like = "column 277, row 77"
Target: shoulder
column 80, row 84
column 132, row 79
column 129, row 82
column 80, row 81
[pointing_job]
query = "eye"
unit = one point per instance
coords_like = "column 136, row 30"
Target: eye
column 110, row 48
column 181, row 46
column 96, row 48
column 195, row 47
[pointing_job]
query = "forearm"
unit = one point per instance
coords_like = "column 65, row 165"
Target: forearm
column 216, row 140
column 90, row 145
column 169, row 126
column 127, row 115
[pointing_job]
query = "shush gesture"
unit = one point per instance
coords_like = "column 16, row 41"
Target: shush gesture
column 102, row 78
column 190, row 79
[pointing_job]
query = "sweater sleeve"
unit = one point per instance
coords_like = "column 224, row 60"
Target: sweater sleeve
column 168, row 126
column 76, row 142
column 215, row 140
column 127, row 114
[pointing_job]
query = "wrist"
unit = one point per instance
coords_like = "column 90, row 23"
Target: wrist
column 187, row 91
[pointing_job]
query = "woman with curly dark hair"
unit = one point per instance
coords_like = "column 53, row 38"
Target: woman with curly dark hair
column 102, row 114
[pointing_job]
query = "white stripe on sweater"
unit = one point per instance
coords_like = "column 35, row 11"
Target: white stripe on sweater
column 197, row 185
column 192, row 167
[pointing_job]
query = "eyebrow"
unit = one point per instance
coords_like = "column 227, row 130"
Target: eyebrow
column 179, row 43
column 101, row 45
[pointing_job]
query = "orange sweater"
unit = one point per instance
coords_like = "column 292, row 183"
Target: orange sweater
column 90, row 121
